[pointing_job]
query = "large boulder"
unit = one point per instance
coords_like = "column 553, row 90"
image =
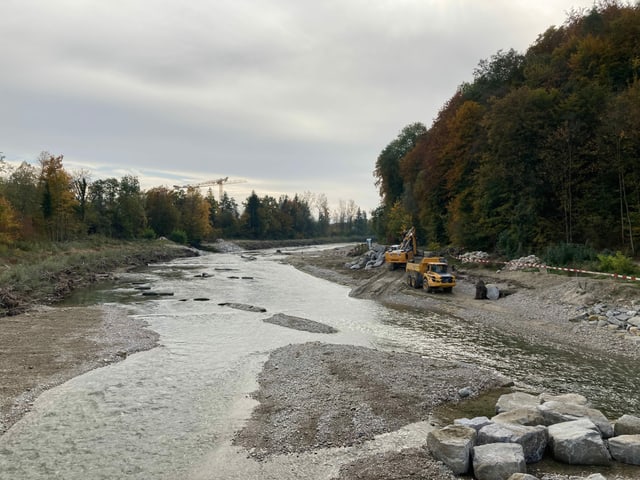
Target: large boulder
column 476, row 422
column 498, row 461
column 558, row 412
column 578, row 442
column 452, row 445
column 522, row 476
column 574, row 398
column 625, row 449
column 512, row 401
column 524, row 416
column 626, row 425
column 532, row 439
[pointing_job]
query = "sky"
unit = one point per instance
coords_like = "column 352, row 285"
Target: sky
column 282, row 97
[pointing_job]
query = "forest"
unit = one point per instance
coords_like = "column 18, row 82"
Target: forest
column 540, row 149
column 48, row 203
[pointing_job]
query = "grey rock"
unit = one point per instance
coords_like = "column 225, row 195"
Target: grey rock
column 299, row 323
column 511, row 401
column 578, row 442
column 476, row 423
column 522, row 476
column 452, row 445
column 616, row 322
column 532, row 439
column 243, row 306
column 530, row 416
column 625, row 449
column 558, row 412
column 635, row 321
column 497, row 461
column 627, row 425
column 465, row 392
column 493, row 292
column 574, row 398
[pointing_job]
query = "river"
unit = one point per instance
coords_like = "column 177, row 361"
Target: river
column 167, row 413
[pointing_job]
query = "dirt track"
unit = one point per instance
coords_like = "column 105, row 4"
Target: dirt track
column 539, row 307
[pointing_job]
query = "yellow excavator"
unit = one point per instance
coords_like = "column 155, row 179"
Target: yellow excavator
column 398, row 255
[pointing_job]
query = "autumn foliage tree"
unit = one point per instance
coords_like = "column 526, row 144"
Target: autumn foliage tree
column 57, row 199
column 9, row 226
column 541, row 148
column 194, row 216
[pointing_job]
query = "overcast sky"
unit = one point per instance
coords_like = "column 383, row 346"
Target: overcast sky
column 288, row 95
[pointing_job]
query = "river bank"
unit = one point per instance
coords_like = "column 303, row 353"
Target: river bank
column 541, row 308
column 43, row 346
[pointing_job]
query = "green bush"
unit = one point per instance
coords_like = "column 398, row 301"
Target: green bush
column 178, row 236
column 617, row 263
column 148, row 233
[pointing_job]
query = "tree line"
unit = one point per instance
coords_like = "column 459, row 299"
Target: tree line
column 46, row 202
column 541, row 148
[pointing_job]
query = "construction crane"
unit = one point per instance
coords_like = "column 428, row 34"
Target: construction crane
column 220, row 182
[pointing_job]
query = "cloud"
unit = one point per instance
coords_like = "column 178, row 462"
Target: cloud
column 291, row 95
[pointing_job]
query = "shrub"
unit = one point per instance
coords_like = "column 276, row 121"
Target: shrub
column 148, row 233
column 178, row 236
column 617, row 263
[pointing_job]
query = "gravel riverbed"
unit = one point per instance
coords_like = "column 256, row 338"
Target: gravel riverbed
column 319, row 395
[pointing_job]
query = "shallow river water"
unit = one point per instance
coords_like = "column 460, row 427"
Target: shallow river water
column 170, row 413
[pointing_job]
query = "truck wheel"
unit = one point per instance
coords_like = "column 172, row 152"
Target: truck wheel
column 447, row 290
column 419, row 282
column 410, row 280
column 429, row 289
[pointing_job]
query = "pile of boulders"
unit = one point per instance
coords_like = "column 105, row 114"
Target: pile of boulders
column 526, row 427
column 521, row 263
column 623, row 318
column 530, row 261
column 474, row 257
column 371, row 259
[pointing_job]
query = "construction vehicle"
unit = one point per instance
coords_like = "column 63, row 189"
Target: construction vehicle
column 400, row 255
column 431, row 273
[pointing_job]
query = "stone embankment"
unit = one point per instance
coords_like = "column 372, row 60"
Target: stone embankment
column 622, row 319
column 526, row 428
column 371, row 259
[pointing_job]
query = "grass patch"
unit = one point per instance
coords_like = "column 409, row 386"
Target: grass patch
column 44, row 273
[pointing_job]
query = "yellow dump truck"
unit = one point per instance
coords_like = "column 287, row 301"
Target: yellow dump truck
column 431, row 273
